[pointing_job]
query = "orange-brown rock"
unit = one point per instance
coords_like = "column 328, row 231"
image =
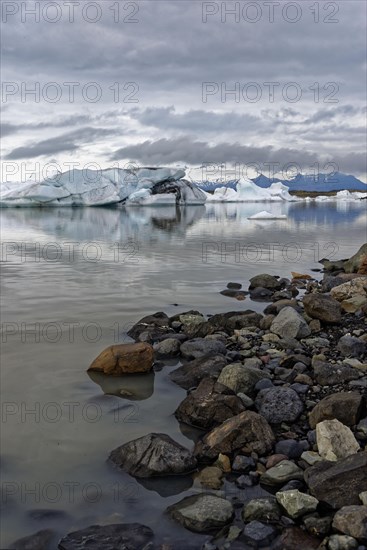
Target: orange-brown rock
column 124, row 359
column 296, row 275
column 363, row 266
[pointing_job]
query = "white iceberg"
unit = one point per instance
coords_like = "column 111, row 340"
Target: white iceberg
column 265, row 215
column 248, row 191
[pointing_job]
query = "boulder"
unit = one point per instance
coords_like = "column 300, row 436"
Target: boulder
column 295, row 503
column 150, row 328
column 129, row 536
column 203, row 513
column 352, row 305
column 169, row 347
column 189, row 375
column 345, row 407
column 332, row 374
column 38, row 541
column 350, row 289
column 279, row 404
column 338, row 483
column 280, row 474
column 265, row 281
column 350, row 346
column 246, row 432
column 124, row 359
column 241, row 378
column 352, row 521
column 334, row 440
column 200, row 347
column 209, row 405
column 290, row 324
column 154, row 454
column 322, row 307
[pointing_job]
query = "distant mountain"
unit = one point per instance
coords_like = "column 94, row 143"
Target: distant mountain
column 322, row 182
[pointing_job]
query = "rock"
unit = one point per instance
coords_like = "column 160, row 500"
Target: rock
column 282, row 473
column 296, row 275
column 230, row 321
column 356, row 364
column 352, row 305
column 153, row 455
column 234, row 286
column 311, row 457
column 129, row 536
column 331, row 375
column 273, row 460
column 350, row 346
column 354, row 264
column 246, row 432
column 318, row 526
column 322, row 307
column 169, row 347
column 202, row 513
column 223, row 463
column 289, row 323
column 124, row 359
column 352, row 521
column 150, row 328
column 211, row 477
column 261, row 509
column 189, row 375
column 266, row 281
column 38, row 541
column 209, row 405
column 279, row 404
column 363, row 497
column 191, row 322
column 260, row 294
column 338, row 483
column 341, row 542
column 345, row 407
column 243, row 464
column 361, row 429
column 258, row 534
column 200, row 347
column 293, row 538
column 335, row 441
column 291, row 448
column 240, row 378
column 345, row 291
column 295, row 503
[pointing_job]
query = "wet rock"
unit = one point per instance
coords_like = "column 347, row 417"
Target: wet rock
column 150, row 328
column 246, row 432
column 279, row 405
column 234, row 286
column 330, row 375
column 202, row 513
column 338, row 483
column 169, row 347
column 260, row 294
column 129, row 536
column 259, row 534
column 41, row 540
column 266, row 281
column 240, row 378
column 296, row 504
column 350, row 346
column 200, row 347
column 352, row 521
column 322, row 307
column 345, row 291
column 345, row 407
column 293, row 538
column 282, row 473
column 153, row 455
column 342, row 542
column 124, row 359
column 289, row 323
column 334, row 440
column 189, row 375
column 262, row 509
column 209, row 405
column 211, row 477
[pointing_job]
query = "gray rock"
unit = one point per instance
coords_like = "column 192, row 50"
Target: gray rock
column 129, row 536
column 202, row 513
column 350, row 346
column 169, row 347
column 334, row 440
column 150, row 328
column 322, row 307
column 290, row 324
column 200, row 347
column 361, row 428
column 266, row 281
column 281, row 473
column 261, row 509
column 331, row 375
column 290, row 447
column 153, row 455
column 318, row 526
column 243, row 464
column 241, row 379
column 189, row 375
column 38, row 541
column 352, row 521
column 259, row 534
column 342, row 542
column 295, row 503
column 344, row 406
column 338, row 483
column 279, row 404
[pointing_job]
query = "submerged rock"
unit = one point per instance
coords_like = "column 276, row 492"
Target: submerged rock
column 124, row 359
column 127, row 536
column 153, row 455
column 202, row 513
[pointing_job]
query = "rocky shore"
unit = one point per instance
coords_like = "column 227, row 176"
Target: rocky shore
column 280, row 399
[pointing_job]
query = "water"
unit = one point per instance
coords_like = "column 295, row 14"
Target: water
column 73, row 282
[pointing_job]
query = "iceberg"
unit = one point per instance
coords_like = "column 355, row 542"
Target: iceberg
column 265, row 215
column 247, row 191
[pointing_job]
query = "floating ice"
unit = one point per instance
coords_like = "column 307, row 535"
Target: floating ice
column 265, row 215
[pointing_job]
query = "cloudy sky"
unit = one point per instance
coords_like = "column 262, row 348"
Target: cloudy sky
column 181, row 82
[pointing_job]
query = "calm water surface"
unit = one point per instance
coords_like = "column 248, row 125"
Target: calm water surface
column 73, row 282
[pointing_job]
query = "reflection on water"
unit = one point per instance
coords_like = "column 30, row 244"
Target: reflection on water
column 73, row 282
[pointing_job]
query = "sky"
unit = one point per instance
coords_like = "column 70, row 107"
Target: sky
column 240, row 87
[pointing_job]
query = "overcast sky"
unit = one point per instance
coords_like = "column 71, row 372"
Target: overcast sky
column 152, row 82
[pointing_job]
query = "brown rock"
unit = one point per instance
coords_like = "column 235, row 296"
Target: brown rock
column 354, row 304
column 273, row 460
column 352, row 521
column 345, row 407
column 124, row 359
column 322, row 307
column 293, row 537
column 296, row 275
column 363, row 266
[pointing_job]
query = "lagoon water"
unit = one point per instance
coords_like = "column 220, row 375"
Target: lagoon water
column 73, row 282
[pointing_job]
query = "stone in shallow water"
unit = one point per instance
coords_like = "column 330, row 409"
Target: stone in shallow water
column 38, row 541
column 199, row 347
column 295, row 503
column 124, row 359
column 266, row 281
column 127, row 536
column 189, row 375
column 352, row 521
column 281, row 473
column 153, row 455
column 334, row 440
column 279, row 405
column 202, row 513
column 169, row 347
